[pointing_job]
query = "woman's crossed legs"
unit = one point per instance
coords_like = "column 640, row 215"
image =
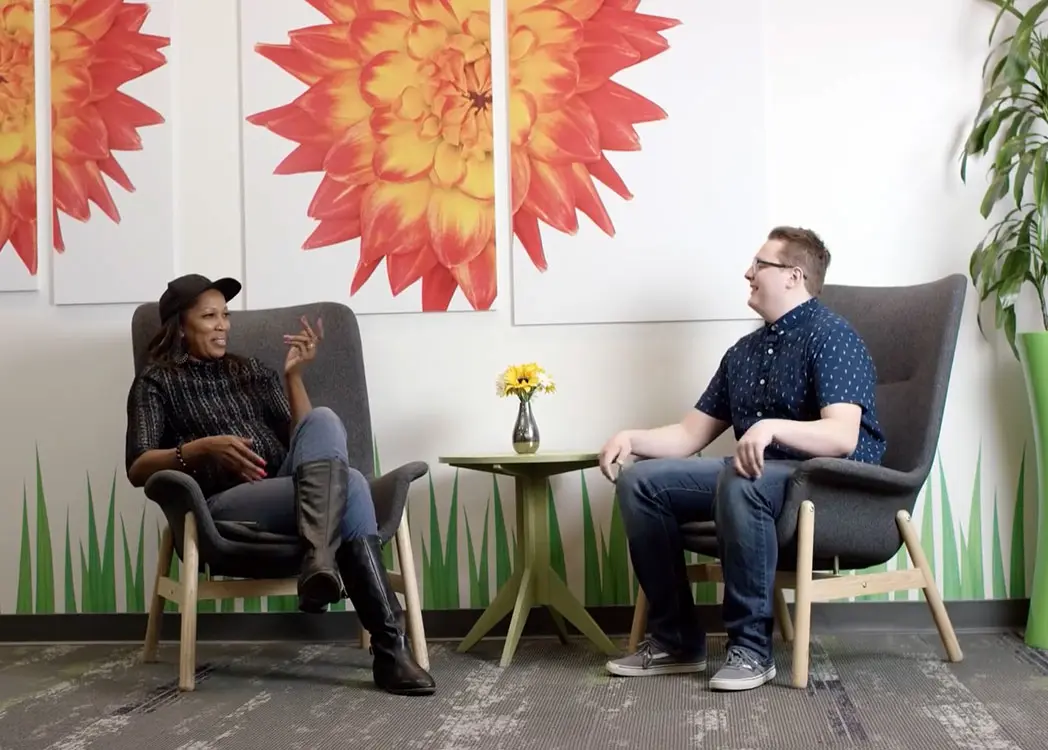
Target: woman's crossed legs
column 328, row 504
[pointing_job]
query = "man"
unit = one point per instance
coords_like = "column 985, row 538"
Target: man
column 802, row 385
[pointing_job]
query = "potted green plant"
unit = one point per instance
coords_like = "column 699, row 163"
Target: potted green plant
column 1010, row 130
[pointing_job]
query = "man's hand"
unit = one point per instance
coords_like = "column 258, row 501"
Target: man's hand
column 749, row 452
column 614, row 452
column 231, row 452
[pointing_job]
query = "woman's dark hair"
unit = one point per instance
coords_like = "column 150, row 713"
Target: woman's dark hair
column 166, row 349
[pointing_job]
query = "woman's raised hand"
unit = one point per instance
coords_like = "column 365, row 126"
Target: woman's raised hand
column 302, row 346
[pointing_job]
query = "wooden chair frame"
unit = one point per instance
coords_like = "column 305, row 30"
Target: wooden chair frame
column 190, row 590
column 812, row 586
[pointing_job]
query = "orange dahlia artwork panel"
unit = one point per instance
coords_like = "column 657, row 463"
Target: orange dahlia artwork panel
column 369, row 145
column 17, row 147
column 637, row 158
column 111, row 146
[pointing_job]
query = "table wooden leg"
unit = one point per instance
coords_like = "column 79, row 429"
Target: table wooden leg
column 534, row 582
column 550, row 590
column 558, row 623
column 500, row 606
column 521, row 610
column 510, row 594
column 532, row 539
column 573, row 610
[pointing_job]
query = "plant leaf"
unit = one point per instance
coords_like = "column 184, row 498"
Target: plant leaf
column 1022, row 173
column 1019, row 52
column 993, row 194
column 1005, row 6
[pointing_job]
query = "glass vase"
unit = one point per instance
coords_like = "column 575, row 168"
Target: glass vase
column 526, row 430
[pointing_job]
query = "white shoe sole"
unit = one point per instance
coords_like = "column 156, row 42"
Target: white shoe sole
column 621, row 671
column 747, row 684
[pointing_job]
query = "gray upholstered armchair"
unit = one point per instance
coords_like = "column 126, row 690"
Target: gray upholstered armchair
column 843, row 515
column 264, row 563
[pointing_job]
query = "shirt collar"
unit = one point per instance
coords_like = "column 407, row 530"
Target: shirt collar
column 798, row 316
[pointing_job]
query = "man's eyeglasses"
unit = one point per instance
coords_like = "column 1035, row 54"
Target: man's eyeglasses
column 759, row 263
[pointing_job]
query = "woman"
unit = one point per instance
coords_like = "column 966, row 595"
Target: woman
column 263, row 454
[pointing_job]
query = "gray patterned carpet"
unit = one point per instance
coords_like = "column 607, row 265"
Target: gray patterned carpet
column 866, row 691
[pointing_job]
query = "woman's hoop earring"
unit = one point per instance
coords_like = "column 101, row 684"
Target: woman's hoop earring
column 181, row 355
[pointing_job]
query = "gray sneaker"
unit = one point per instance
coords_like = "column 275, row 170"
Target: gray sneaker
column 650, row 660
column 742, row 671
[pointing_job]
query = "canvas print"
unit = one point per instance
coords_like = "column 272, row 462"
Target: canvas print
column 369, row 154
column 112, row 173
column 18, row 258
column 637, row 158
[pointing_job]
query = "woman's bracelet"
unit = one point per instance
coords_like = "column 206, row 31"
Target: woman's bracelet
column 181, row 458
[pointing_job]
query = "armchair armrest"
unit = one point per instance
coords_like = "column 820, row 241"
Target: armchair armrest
column 855, row 507
column 177, row 493
column 843, row 473
column 389, row 492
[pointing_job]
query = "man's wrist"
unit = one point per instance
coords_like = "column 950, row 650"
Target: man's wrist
column 633, row 437
column 774, row 427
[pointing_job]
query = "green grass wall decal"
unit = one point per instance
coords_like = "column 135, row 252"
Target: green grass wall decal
column 927, row 534
column 440, row 580
column 616, row 571
column 556, row 542
column 24, row 597
column 1000, row 588
column 973, row 586
column 134, row 574
column 479, row 596
column 503, row 558
column 1017, row 577
column 45, row 592
column 592, row 583
column 103, row 567
column 69, row 587
column 951, row 567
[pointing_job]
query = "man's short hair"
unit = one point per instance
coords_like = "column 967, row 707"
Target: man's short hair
column 804, row 249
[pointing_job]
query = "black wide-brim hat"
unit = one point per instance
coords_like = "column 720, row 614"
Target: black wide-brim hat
column 182, row 292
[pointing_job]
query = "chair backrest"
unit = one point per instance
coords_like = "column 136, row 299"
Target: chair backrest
column 911, row 332
column 334, row 379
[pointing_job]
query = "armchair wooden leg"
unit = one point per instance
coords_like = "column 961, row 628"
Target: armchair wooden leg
column 640, row 620
column 931, row 591
column 782, row 615
column 156, row 603
column 803, row 593
column 413, row 605
column 188, row 608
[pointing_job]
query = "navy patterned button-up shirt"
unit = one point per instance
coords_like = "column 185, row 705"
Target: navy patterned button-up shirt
column 809, row 358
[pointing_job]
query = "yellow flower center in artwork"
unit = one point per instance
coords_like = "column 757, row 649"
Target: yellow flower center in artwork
column 457, row 94
column 450, row 101
column 16, row 84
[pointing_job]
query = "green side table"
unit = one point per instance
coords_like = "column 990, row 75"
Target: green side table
column 533, row 581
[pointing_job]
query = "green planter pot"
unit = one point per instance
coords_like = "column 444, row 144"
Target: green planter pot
column 1033, row 353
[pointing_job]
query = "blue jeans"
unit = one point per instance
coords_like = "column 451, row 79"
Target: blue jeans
column 270, row 502
column 656, row 496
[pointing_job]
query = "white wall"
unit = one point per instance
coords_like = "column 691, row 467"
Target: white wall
column 866, row 106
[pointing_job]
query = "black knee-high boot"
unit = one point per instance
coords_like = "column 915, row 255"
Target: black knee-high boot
column 395, row 669
column 320, row 502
